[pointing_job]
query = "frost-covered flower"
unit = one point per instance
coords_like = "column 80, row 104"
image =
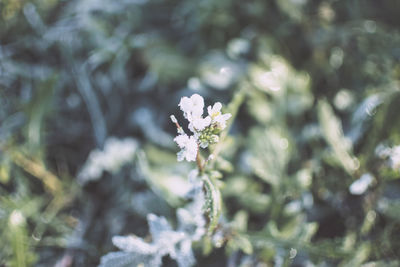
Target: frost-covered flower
column 192, row 107
column 199, row 124
column 221, row 120
column 216, row 116
column 214, row 110
column 188, row 147
column 205, row 130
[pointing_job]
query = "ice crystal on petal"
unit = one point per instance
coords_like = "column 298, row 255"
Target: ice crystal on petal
column 192, row 107
column 199, row 124
column 188, row 147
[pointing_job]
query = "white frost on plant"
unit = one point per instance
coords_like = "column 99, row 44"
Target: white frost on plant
column 16, row 218
column 165, row 240
column 216, row 116
column 173, row 119
column 392, row 155
column 205, row 129
column 199, row 124
column 188, row 147
column 192, row 107
column 395, row 158
column 116, row 153
column 361, row 185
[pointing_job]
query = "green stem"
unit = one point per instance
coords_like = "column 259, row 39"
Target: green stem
column 199, row 161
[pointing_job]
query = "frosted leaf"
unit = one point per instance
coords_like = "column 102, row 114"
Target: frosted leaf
column 166, row 241
column 133, row 244
column 146, row 202
column 192, row 224
column 185, row 256
column 128, row 259
column 116, row 153
column 157, row 225
column 361, row 185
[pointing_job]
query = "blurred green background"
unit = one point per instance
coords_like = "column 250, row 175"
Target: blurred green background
column 310, row 169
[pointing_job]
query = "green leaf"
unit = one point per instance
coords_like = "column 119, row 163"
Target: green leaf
column 269, row 153
column 19, row 240
column 332, row 130
column 244, row 244
column 212, row 202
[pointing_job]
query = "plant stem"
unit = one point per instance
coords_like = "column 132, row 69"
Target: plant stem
column 199, row 160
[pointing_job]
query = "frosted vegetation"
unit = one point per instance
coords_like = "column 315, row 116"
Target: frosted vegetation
column 199, row 133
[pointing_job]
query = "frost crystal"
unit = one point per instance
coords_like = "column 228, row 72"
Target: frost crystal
column 192, row 107
column 188, row 146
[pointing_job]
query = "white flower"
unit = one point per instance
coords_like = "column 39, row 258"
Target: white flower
column 192, row 107
column 221, row 120
column 215, row 114
column 204, row 130
column 215, row 110
column 199, row 124
column 188, row 147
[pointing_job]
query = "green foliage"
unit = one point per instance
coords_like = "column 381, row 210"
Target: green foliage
column 305, row 174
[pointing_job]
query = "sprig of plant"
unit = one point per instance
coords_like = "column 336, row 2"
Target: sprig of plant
column 205, row 131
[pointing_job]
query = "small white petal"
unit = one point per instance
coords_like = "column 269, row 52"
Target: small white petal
column 215, row 110
column 181, row 140
column 192, row 107
column 197, row 100
column 188, row 147
column 221, row 119
column 185, row 104
column 199, row 123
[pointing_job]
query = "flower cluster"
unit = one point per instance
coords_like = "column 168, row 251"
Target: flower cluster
column 205, row 130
